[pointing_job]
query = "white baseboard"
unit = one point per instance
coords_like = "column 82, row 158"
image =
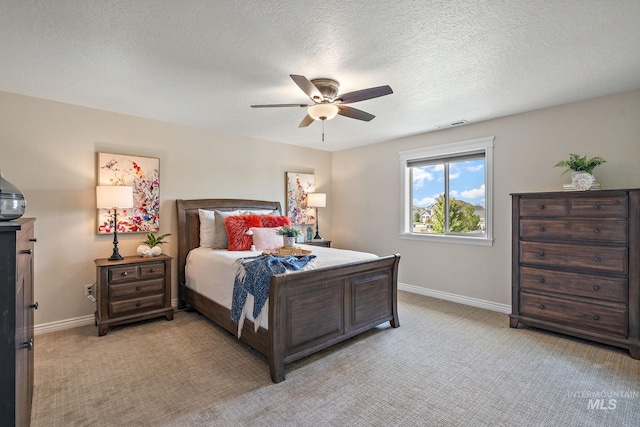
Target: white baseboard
column 45, row 328
column 474, row 302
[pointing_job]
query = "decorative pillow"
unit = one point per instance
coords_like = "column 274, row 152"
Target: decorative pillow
column 266, row 238
column 220, row 239
column 237, row 227
column 275, row 221
column 261, row 212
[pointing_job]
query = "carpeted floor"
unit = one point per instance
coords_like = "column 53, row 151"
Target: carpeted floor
column 447, row 365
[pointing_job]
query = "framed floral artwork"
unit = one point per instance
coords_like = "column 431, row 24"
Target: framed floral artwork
column 298, row 185
column 141, row 173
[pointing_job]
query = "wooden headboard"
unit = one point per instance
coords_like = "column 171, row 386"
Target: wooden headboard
column 189, row 222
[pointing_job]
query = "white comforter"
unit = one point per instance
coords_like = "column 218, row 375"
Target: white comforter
column 211, row 272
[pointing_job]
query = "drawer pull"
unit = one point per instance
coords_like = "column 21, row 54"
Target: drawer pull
column 596, row 288
column 596, row 230
column 138, row 288
column 124, row 273
column 541, row 280
column 153, row 270
column 541, row 228
column 541, row 306
column 34, row 305
column 138, row 304
column 596, row 258
column 596, row 317
column 28, row 345
column 596, row 206
column 541, row 253
column 27, row 252
column 541, row 206
column 33, row 239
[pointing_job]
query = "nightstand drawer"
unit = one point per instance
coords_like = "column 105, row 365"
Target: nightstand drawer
column 582, row 315
column 601, row 258
column 136, row 288
column 137, row 304
column 150, row 270
column 122, row 273
column 596, row 230
column 584, row 285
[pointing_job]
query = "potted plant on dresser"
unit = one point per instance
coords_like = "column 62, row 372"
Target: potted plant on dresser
column 151, row 245
column 581, row 168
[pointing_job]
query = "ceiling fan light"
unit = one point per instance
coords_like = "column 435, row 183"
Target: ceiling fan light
column 323, row 111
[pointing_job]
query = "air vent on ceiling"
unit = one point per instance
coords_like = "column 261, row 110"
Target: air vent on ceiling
column 452, row 124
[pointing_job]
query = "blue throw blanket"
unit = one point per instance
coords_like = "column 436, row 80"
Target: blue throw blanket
column 254, row 276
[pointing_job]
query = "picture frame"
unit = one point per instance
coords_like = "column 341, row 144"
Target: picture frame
column 141, row 173
column 297, row 187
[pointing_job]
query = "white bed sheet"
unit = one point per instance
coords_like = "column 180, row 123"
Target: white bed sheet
column 211, row 272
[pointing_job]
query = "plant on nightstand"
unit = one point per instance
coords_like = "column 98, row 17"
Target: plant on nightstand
column 289, row 235
column 151, row 245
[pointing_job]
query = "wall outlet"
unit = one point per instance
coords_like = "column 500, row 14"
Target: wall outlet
column 88, row 289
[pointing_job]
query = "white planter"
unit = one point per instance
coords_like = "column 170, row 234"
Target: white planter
column 289, row 242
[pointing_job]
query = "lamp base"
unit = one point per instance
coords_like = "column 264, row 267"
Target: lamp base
column 115, row 256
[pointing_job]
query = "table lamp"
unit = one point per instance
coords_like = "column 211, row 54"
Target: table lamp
column 316, row 200
column 114, row 197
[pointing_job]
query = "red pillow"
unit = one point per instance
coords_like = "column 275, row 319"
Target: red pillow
column 275, row 221
column 237, row 227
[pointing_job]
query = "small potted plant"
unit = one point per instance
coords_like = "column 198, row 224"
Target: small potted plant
column 581, row 168
column 151, row 245
column 289, row 235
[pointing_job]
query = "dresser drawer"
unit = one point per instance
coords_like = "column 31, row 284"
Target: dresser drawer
column 600, row 258
column 579, row 314
column 136, row 288
column 123, row 273
column 608, row 206
column 596, row 230
column 541, row 206
column 590, row 286
column 130, row 306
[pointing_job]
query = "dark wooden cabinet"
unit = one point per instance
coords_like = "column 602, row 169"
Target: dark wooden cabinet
column 16, row 296
column 132, row 289
column 576, row 264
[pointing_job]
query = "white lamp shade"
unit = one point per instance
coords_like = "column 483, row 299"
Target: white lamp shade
column 316, row 200
column 114, row 196
column 323, row 111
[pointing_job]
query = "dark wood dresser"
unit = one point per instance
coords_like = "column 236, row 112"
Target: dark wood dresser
column 16, row 296
column 132, row 289
column 576, row 264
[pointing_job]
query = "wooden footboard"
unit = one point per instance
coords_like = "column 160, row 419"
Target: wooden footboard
column 312, row 310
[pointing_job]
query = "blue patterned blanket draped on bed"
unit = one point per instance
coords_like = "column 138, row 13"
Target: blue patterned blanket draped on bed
column 253, row 276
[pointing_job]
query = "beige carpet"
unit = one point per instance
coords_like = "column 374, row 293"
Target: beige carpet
column 447, row 365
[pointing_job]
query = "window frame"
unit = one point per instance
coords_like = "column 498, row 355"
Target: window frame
column 447, row 152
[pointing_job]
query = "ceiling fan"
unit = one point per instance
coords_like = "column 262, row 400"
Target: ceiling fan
column 326, row 101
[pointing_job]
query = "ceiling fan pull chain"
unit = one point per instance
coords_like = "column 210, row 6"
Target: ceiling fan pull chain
column 322, row 130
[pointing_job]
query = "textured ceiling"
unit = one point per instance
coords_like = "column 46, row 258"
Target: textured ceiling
column 203, row 62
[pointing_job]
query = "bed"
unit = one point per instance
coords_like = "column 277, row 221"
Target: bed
column 307, row 310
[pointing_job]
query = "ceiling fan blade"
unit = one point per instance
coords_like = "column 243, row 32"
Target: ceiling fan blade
column 279, row 105
column 307, row 87
column 364, row 94
column 306, row 121
column 354, row 113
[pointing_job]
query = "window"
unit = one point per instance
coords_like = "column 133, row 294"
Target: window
column 447, row 192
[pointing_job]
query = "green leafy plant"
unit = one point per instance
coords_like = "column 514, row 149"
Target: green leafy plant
column 153, row 240
column 579, row 163
column 288, row 231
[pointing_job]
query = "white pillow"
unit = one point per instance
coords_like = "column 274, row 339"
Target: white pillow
column 265, row 238
column 207, row 227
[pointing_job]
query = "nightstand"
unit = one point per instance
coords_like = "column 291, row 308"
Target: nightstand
column 325, row 243
column 132, row 289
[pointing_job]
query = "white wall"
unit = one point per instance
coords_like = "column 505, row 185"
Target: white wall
column 365, row 201
column 48, row 150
